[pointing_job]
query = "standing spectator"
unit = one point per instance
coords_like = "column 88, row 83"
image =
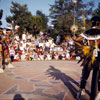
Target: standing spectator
column 47, row 46
column 41, row 35
column 12, row 53
column 32, row 45
column 52, row 46
column 36, row 42
column 24, row 36
column 24, row 44
column 41, row 44
column 17, row 37
column 21, row 48
column 58, row 39
column 29, row 36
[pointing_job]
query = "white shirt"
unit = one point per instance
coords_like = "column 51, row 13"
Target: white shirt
column 24, row 37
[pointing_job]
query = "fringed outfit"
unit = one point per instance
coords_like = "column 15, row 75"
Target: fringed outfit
column 89, row 53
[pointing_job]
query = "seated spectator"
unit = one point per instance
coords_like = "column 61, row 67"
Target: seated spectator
column 16, row 57
column 67, row 54
column 73, row 56
column 28, row 42
column 23, row 56
column 56, row 56
column 32, row 57
column 49, row 57
column 63, row 56
column 41, row 56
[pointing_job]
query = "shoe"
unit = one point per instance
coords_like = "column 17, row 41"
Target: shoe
column 81, row 95
column 10, row 66
column 1, row 70
column 98, row 96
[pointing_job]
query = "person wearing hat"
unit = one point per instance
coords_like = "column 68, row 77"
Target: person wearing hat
column 90, row 58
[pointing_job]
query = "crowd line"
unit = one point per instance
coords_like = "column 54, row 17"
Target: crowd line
column 42, row 47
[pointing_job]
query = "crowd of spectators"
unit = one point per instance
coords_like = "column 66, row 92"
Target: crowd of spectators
column 42, row 47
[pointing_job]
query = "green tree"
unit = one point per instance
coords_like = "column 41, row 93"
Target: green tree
column 40, row 22
column 21, row 16
column 64, row 11
column 37, row 26
column 44, row 20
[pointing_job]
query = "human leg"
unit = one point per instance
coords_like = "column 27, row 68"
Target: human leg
column 85, row 75
column 1, row 68
column 98, row 94
column 94, row 83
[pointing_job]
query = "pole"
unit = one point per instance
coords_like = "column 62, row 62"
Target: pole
column 74, row 14
column 74, row 23
column 13, row 31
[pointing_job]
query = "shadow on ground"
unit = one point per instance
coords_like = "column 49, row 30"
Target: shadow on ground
column 67, row 80
column 18, row 97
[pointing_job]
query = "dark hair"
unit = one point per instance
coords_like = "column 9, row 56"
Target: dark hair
column 95, row 21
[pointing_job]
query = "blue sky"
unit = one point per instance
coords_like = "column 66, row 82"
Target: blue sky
column 33, row 6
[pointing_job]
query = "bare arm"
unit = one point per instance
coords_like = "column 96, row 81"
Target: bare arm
column 77, row 40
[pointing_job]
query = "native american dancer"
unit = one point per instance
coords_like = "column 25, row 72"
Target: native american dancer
column 5, row 60
column 1, row 69
column 88, row 49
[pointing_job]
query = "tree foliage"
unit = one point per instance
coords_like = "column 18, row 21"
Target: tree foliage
column 63, row 13
column 44, row 20
column 22, row 17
